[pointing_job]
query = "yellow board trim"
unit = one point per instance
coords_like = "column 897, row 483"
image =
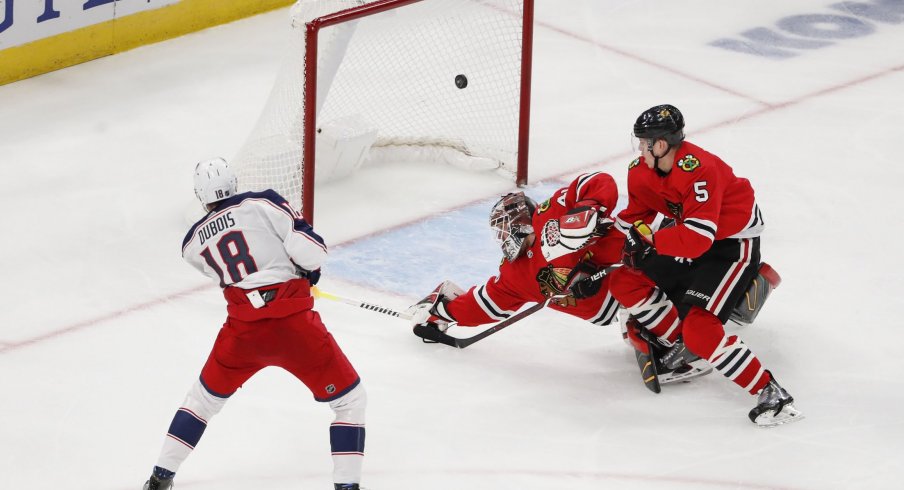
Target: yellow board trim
column 125, row 33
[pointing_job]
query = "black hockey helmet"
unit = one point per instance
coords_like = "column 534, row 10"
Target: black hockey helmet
column 661, row 122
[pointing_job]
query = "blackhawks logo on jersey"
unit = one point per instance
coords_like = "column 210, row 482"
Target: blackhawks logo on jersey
column 634, row 163
column 552, row 282
column 689, row 163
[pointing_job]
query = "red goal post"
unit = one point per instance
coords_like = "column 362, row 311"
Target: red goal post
column 441, row 80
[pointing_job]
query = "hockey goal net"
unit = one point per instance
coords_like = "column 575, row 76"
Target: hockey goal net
column 416, row 80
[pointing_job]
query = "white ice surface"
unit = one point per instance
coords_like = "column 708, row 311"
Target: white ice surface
column 103, row 327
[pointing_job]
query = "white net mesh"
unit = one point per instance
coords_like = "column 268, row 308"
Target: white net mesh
column 395, row 72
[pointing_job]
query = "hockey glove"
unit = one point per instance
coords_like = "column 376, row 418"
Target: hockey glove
column 639, row 245
column 430, row 332
column 429, row 315
column 579, row 226
column 312, row 276
column 585, row 280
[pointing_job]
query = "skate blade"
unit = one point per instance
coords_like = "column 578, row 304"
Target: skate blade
column 697, row 368
column 769, row 419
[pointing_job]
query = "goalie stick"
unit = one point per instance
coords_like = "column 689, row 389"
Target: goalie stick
column 435, row 335
column 443, row 338
column 461, row 343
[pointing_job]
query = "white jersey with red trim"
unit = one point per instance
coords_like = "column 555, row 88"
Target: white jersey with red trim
column 701, row 193
column 251, row 240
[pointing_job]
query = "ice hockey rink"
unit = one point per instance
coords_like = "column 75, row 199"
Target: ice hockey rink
column 103, row 328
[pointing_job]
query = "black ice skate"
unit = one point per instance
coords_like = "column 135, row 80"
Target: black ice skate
column 661, row 366
column 775, row 406
column 155, row 483
column 680, row 364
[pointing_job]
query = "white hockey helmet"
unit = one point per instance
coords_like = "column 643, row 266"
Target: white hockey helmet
column 214, row 181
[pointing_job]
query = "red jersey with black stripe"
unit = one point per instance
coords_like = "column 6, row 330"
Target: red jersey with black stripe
column 532, row 277
column 701, row 192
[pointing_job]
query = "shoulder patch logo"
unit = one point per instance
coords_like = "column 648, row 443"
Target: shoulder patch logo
column 689, row 163
column 634, row 163
column 543, row 207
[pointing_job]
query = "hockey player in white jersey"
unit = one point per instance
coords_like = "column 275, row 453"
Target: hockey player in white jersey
column 265, row 257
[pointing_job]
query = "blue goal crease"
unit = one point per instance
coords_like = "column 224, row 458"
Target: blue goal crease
column 456, row 245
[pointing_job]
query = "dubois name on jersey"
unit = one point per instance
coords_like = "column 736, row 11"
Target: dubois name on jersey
column 235, row 243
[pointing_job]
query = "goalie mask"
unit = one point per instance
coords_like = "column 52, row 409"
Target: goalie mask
column 510, row 220
column 214, row 181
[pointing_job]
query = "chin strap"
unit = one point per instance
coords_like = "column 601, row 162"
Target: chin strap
column 656, row 158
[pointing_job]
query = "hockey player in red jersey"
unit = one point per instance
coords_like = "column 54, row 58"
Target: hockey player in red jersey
column 265, row 257
column 563, row 248
column 704, row 263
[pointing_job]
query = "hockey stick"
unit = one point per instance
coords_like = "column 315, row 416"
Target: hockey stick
column 360, row 304
column 461, row 343
column 434, row 334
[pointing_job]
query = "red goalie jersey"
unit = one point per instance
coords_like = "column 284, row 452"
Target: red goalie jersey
column 542, row 270
column 701, row 193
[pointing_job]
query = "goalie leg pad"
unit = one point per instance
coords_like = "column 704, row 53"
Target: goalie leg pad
column 645, row 352
column 747, row 309
column 633, row 336
column 649, row 371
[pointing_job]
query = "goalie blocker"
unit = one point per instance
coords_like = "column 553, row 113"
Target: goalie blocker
column 429, row 315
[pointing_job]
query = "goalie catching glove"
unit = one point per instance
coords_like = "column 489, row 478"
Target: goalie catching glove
column 429, row 316
column 580, row 225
